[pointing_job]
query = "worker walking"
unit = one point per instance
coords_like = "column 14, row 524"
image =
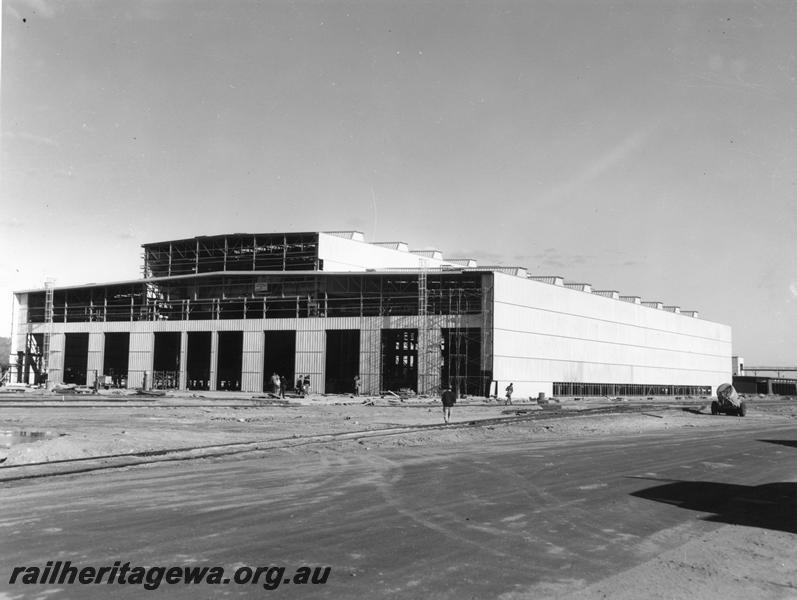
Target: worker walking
column 449, row 398
column 509, row 389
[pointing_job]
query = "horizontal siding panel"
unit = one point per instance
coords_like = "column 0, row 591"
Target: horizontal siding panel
column 576, row 327
column 546, row 333
column 526, row 292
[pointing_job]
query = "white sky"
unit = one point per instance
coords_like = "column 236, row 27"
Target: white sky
column 647, row 147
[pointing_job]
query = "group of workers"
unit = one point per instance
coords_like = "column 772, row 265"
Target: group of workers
column 279, row 384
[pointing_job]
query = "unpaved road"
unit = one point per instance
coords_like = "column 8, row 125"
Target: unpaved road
column 690, row 512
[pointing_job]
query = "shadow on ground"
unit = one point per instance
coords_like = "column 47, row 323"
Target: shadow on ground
column 769, row 506
column 792, row 443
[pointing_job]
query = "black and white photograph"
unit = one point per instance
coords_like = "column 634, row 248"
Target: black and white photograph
column 398, row 299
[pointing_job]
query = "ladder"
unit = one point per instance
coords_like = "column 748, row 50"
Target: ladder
column 48, row 323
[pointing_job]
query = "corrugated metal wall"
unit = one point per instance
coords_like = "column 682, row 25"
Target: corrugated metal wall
column 55, row 363
column 142, row 345
column 214, row 353
column 310, row 353
column 19, row 325
column 183, row 360
column 370, row 353
column 310, row 356
column 95, row 357
column 252, row 362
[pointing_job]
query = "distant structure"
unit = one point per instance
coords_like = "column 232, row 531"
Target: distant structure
column 225, row 312
column 763, row 380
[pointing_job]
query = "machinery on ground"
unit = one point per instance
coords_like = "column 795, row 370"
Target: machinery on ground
column 728, row 402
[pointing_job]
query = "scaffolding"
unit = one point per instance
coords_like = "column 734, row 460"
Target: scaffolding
column 425, row 349
column 420, row 329
column 370, row 349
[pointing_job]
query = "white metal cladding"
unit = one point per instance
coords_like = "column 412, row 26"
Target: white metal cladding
column 55, row 363
column 19, row 322
column 295, row 324
column 310, row 344
column 183, row 360
column 340, row 254
column 95, row 357
column 546, row 333
column 310, row 353
column 370, row 354
column 142, row 345
column 557, row 324
column 252, row 361
column 253, row 342
column 214, row 352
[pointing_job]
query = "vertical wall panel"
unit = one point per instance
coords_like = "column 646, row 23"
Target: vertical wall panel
column 252, row 362
column 183, row 360
column 310, row 355
column 371, row 353
column 214, row 352
column 95, row 360
column 55, row 364
column 142, row 346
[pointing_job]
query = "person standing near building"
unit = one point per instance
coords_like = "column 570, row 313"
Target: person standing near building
column 356, row 385
column 509, row 389
column 449, row 398
column 283, row 385
column 275, row 384
column 306, row 385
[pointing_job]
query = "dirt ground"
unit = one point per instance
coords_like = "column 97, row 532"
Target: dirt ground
column 729, row 562
column 75, row 427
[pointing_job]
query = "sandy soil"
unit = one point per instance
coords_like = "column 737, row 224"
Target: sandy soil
column 727, row 562
column 83, row 427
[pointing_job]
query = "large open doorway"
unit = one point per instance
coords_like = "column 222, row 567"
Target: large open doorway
column 116, row 358
column 399, row 359
column 197, row 360
column 229, row 361
column 76, row 358
column 342, row 360
column 279, row 357
column 166, row 361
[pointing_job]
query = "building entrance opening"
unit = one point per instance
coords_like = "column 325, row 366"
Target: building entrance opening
column 115, row 358
column 229, row 360
column 343, row 360
column 461, row 357
column 197, row 360
column 279, row 357
column 399, row 359
column 166, row 361
column 76, row 358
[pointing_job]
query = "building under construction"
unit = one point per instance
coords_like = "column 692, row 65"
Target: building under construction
column 226, row 312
